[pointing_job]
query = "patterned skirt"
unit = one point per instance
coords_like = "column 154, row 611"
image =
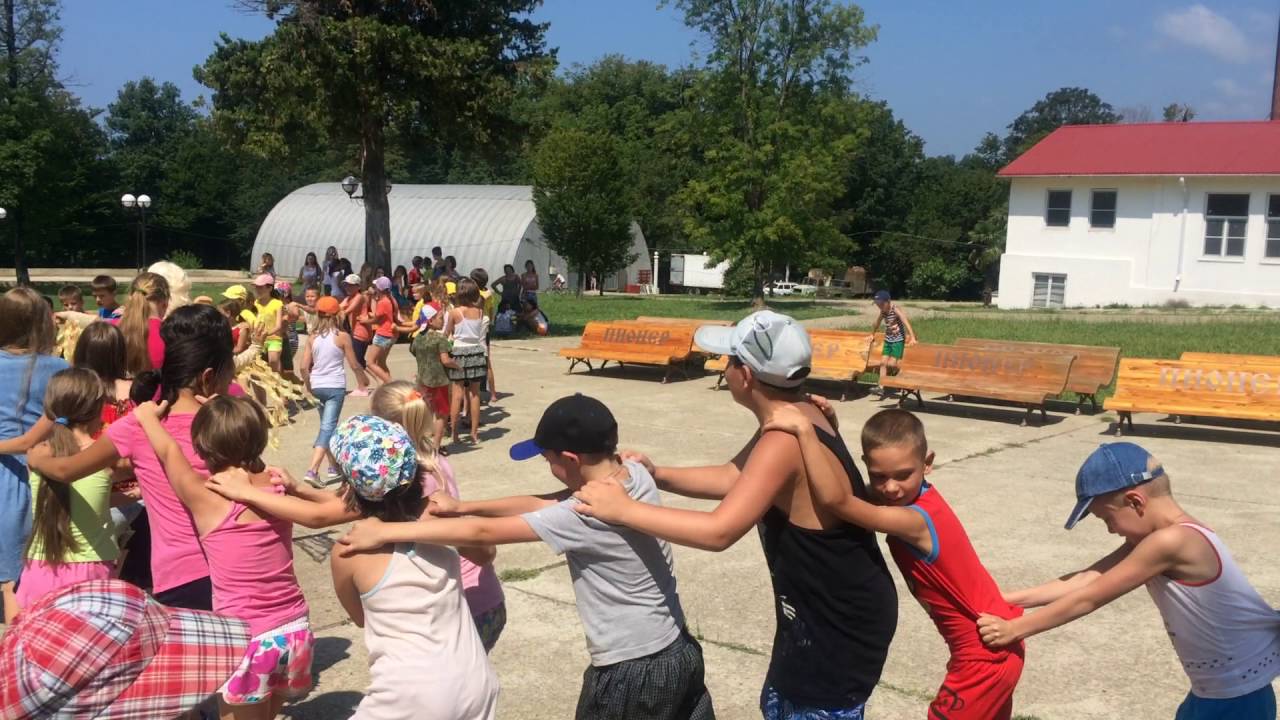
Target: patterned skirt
column 473, row 364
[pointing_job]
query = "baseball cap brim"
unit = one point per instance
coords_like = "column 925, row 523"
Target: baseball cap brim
column 1077, row 514
column 525, row 450
column 715, row 339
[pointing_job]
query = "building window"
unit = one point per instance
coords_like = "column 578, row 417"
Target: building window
column 1102, row 209
column 1273, row 226
column 1049, row 290
column 1058, row 209
column 1226, row 218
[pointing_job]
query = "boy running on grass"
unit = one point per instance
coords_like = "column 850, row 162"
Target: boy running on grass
column 897, row 334
column 1226, row 636
column 644, row 663
column 931, row 549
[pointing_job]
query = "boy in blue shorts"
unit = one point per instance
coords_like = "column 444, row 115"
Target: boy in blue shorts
column 1226, row 636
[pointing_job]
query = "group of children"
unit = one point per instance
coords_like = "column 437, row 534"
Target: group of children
column 176, row 434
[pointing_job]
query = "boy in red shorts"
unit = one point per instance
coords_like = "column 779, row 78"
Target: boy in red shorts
column 931, row 549
column 431, row 349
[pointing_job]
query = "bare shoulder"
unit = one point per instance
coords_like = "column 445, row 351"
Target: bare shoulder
column 1174, row 542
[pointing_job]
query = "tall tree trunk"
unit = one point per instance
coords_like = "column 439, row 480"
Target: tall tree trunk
column 15, row 216
column 757, row 288
column 377, row 211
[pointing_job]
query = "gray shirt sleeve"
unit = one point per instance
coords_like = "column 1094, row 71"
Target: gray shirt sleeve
column 559, row 526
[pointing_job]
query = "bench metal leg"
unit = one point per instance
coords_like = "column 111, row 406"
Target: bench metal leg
column 1093, row 401
column 719, row 381
column 1120, row 423
column 574, row 362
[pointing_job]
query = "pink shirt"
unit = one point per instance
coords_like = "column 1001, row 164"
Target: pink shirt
column 176, row 557
column 251, row 566
column 155, row 343
column 479, row 583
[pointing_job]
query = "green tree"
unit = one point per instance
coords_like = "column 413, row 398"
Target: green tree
column 581, row 201
column 1177, row 112
column 1065, row 106
column 51, row 149
column 777, row 72
column 365, row 73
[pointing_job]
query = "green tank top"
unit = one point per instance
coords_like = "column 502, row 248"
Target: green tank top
column 91, row 524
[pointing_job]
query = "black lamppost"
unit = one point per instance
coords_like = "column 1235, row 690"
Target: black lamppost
column 141, row 203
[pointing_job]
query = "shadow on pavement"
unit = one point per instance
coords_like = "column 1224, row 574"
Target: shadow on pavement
column 325, row 706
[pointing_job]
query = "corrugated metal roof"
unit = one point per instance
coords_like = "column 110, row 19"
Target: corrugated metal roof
column 480, row 225
column 1169, row 148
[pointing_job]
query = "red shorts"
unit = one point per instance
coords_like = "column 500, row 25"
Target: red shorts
column 437, row 399
column 978, row 690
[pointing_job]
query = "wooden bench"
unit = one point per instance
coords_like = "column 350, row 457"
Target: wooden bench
column 1025, row 378
column 693, row 323
column 838, row 355
column 1197, row 387
column 1094, row 367
column 631, row 343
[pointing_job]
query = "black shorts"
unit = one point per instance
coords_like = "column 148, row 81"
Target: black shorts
column 195, row 595
column 667, row 685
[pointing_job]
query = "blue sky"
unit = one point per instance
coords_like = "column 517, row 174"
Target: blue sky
column 951, row 70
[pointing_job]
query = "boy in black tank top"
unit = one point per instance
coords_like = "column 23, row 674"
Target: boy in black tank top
column 834, row 600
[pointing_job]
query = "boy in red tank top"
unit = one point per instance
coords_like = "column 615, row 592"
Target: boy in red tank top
column 931, row 549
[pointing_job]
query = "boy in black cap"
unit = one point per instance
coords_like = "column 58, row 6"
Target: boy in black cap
column 644, row 663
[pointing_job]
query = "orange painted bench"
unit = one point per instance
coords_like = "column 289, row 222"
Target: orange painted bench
column 838, row 355
column 692, row 323
column 630, row 343
column 1094, row 367
column 1199, row 385
column 1025, row 378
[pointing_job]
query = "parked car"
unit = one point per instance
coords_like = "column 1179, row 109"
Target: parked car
column 804, row 289
column 782, row 288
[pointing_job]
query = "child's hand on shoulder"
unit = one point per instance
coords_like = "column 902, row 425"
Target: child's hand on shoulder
column 605, row 499
column 363, row 536
column 151, row 410
column 441, row 503
column 232, row 484
column 788, row 419
column 283, row 478
column 638, row 457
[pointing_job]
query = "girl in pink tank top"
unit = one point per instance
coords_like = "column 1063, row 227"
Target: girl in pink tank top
column 250, row 553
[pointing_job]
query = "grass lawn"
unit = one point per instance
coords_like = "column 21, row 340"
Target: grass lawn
column 1135, row 338
column 569, row 314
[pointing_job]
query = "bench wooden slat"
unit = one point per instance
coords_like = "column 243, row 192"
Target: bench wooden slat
column 1027, row 378
column 839, row 355
column 692, row 324
column 633, row 343
column 1230, row 359
column 1094, row 367
column 1210, row 388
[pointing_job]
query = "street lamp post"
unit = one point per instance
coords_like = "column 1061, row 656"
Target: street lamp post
column 140, row 203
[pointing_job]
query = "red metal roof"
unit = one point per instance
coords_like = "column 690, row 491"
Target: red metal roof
column 1166, row 148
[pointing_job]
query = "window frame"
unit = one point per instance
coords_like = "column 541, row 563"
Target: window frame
column 1224, row 237
column 1048, row 208
column 1269, row 241
column 1115, row 207
column 1053, row 278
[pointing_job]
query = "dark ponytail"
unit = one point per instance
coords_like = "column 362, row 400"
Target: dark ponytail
column 196, row 338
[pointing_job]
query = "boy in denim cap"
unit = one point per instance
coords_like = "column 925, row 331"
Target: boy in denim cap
column 1226, row 636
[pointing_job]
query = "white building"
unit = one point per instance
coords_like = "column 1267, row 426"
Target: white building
column 482, row 226
column 1143, row 214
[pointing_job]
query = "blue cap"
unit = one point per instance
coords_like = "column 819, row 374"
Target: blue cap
column 1112, row 467
column 577, row 424
column 881, row 296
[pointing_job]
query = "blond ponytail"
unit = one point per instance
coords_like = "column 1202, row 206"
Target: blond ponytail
column 401, row 403
column 147, row 287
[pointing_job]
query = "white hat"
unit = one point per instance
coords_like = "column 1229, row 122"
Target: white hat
column 774, row 346
column 352, row 279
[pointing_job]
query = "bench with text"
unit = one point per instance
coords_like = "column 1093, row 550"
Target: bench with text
column 1093, row 369
column 1237, row 387
column 838, row 355
column 1025, row 378
column 631, row 343
column 692, row 323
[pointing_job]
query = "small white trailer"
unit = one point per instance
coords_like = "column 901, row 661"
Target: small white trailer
column 696, row 273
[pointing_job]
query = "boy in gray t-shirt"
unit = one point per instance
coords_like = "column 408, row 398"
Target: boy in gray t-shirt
column 644, row 664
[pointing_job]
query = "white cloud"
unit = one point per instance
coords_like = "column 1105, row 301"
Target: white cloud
column 1199, row 27
column 1231, row 89
column 1117, row 33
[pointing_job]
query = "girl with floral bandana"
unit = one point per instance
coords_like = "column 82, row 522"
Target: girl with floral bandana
column 426, row 660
